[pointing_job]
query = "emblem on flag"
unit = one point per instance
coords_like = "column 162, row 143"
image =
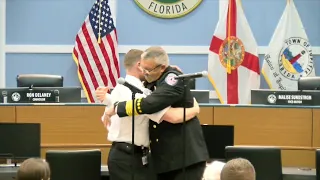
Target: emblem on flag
column 231, row 53
column 295, row 59
column 168, row 8
column 289, row 55
column 233, row 63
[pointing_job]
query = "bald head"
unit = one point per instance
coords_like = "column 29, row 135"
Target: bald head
column 238, row 169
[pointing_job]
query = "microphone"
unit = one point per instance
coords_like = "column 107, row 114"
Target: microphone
column 193, row 75
column 56, row 93
column 4, row 93
column 5, row 96
column 133, row 88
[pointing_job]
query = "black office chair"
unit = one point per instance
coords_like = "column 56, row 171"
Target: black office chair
column 217, row 138
column 77, row 164
column 309, row 83
column 39, row 80
column 318, row 163
column 266, row 160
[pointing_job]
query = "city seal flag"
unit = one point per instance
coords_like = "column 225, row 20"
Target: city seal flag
column 289, row 56
column 233, row 63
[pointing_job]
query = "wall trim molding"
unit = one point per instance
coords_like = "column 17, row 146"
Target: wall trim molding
column 2, row 43
column 66, row 49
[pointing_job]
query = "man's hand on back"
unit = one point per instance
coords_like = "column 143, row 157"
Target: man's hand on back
column 110, row 111
column 101, row 93
column 176, row 67
column 106, row 120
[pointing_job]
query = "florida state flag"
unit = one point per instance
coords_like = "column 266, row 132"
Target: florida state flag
column 233, row 63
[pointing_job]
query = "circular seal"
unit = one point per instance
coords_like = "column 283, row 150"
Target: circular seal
column 272, row 99
column 168, row 9
column 295, row 59
column 231, row 49
column 170, row 79
column 15, row 97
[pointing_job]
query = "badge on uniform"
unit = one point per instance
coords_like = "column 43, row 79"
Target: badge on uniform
column 170, row 79
column 144, row 160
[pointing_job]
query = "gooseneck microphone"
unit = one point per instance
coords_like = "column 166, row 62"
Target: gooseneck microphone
column 56, row 93
column 133, row 88
column 5, row 96
column 193, row 75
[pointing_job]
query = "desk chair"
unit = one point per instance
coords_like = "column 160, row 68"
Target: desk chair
column 318, row 163
column 266, row 160
column 39, row 80
column 309, row 83
column 78, row 164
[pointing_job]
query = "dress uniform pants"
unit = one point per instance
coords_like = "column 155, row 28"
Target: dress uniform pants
column 193, row 172
column 120, row 161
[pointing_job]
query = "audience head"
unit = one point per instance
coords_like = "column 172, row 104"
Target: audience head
column 238, row 169
column 34, row 169
column 154, row 61
column 132, row 63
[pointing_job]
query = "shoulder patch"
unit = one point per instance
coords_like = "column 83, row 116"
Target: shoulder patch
column 170, row 79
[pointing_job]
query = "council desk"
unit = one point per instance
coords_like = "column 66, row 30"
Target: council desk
column 295, row 129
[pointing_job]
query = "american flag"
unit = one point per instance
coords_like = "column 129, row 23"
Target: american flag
column 95, row 50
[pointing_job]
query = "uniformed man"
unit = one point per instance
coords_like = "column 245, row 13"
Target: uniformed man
column 120, row 130
column 172, row 160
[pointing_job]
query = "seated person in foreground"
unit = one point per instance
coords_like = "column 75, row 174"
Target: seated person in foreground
column 238, row 169
column 34, row 169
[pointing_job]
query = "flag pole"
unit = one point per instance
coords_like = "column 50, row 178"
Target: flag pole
column 229, row 24
column 99, row 33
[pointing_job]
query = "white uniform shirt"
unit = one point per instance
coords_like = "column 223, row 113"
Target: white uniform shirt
column 120, row 129
column 213, row 170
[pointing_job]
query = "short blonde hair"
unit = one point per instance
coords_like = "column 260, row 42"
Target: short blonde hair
column 34, row 169
column 239, row 169
column 156, row 53
column 132, row 57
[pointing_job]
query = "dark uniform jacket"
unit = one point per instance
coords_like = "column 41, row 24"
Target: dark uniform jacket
column 167, row 147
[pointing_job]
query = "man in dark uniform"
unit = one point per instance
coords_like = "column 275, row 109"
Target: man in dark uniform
column 167, row 149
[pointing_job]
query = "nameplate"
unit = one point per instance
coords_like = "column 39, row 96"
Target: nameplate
column 290, row 99
column 41, row 96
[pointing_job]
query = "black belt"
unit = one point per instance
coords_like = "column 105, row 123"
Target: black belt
column 127, row 147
